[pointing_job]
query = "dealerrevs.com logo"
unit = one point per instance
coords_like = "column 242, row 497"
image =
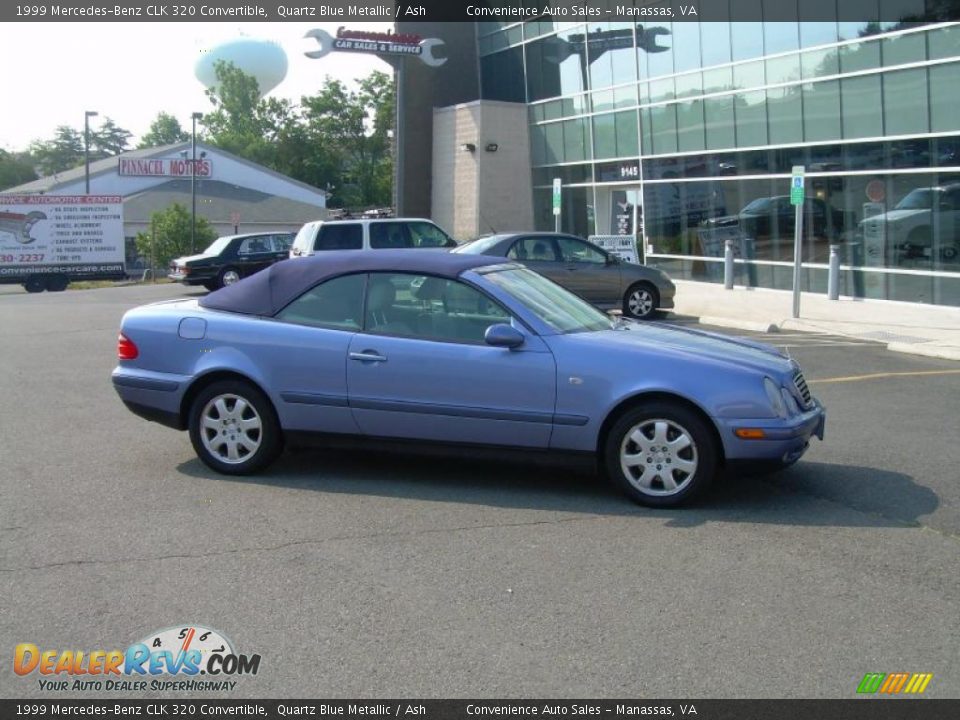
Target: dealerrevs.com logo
column 165, row 660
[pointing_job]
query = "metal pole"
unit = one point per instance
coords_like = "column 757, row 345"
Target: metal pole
column 797, row 256
column 728, row 265
column 833, row 278
column 193, row 188
column 86, row 145
column 398, row 141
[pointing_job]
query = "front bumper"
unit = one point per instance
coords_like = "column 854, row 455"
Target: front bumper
column 784, row 442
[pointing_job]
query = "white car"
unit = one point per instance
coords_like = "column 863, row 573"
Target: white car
column 369, row 234
column 925, row 221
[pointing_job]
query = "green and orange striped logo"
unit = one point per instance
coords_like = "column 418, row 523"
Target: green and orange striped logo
column 894, row 683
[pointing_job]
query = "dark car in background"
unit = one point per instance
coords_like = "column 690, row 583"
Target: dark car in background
column 230, row 258
column 600, row 278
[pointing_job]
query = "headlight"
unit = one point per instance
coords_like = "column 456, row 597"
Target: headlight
column 790, row 401
column 775, row 398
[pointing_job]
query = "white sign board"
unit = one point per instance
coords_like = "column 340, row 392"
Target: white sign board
column 73, row 234
column 623, row 246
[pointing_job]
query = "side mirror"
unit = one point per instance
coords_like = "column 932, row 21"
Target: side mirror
column 503, row 335
column 612, row 259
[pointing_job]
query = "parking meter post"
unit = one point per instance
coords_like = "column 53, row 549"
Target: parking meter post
column 797, row 255
column 728, row 265
column 833, row 278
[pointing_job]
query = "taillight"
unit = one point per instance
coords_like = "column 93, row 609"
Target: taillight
column 126, row 350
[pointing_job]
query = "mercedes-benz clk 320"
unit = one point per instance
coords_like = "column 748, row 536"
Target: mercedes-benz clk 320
column 461, row 350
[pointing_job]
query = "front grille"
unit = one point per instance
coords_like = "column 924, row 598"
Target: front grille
column 803, row 391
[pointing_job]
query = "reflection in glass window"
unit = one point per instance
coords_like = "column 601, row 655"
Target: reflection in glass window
column 860, row 56
column 555, row 65
column 554, row 142
column 783, row 69
column 819, row 63
column 686, row 43
column 718, row 114
column 818, row 22
column 785, row 114
column 944, row 42
column 716, row 44
column 501, row 76
column 945, row 100
column 751, row 113
column 575, row 143
column 904, row 49
column 690, row 126
column 857, row 18
column 657, row 64
column 717, row 80
column 746, row 40
column 628, row 143
column 663, row 128
column 605, row 136
column 780, row 36
column 821, row 111
column 905, row 102
column 333, row 304
column 749, row 75
column 862, row 116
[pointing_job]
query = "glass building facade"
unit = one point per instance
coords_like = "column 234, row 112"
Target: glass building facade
column 685, row 133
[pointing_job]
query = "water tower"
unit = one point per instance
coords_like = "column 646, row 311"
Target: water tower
column 263, row 59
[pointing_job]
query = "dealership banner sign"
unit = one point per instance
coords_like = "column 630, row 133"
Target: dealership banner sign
column 165, row 167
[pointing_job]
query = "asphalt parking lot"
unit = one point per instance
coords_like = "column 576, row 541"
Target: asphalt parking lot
column 375, row 575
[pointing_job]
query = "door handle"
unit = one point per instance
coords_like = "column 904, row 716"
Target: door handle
column 368, row 356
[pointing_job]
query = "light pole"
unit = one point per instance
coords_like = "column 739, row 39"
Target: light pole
column 193, row 184
column 86, row 144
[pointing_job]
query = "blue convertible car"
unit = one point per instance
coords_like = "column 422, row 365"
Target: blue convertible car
column 464, row 349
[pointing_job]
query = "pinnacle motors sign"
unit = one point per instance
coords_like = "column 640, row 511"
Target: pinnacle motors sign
column 165, row 167
column 385, row 44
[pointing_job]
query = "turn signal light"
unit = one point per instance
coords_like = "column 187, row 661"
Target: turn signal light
column 749, row 433
column 126, row 350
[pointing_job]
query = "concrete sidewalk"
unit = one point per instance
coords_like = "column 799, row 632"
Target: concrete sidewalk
column 930, row 330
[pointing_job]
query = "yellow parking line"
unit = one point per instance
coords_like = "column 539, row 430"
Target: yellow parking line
column 876, row 376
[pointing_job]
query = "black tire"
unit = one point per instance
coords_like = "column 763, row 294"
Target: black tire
column 35, row 284
column 228, row 276
column 641, row 301
column 648, row 486
column 213, row 446
column 57, row 283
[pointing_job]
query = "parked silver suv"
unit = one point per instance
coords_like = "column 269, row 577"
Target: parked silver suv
column 369, row 234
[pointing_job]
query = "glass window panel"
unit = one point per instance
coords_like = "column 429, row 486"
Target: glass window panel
column 783, row 69
column 627, row 142
column 785, row 114
column 663, row 128
column 686, row 43
column 334, row 304
column 780, row 37
column 625, row 96
column 746, row 40
column 894, row 12
column 821, row 111
column 750, row 110
column 820, row 63
column 690, row 85
column 515, row 35
column 690, row 126
column 646, row 138
column 749, row 75
column 716, row 44
column 717, row 80
column 904, row 49
column 860, row 56
column 718, row 113
column 604, row 136
column 602, row 101
column 552, row 69
column 538, row 149
column 501, row 76
column 818, row 22
column 554, row 138
column 661, row 90
column 945, row 100
column 905, row 102
column 536, row 113
column 643, row 90
column 574, row 142
column 857, row 18
column 657, row 64
column 862, row 116
column 944, row 42
column 552, row 110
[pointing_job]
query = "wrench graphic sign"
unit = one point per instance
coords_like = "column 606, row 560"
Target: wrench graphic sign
column 387, row 44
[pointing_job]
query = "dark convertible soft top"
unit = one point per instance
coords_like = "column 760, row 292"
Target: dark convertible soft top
column 270, row 290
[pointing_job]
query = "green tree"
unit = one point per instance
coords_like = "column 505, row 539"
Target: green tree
column 63, row 152
column 15, row 169
column 169, row 235
column 164, row 130
column 108, row 140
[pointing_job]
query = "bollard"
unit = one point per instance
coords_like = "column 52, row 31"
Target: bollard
column 728, row 265
column 833, row 278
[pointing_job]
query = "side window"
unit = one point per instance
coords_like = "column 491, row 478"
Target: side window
column 255, row 245
column 281, row 243
column 427, row 235
column 539, row 249
column 577, row 251
column 337, row 236
column 384, row 235
column 429, row 308
column 335, row 304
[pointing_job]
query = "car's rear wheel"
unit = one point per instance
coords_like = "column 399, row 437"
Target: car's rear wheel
column 641, row 301
column 35, row 284
column 234, row 429
column 57, row 283
column 661, row 454
column 228, row 276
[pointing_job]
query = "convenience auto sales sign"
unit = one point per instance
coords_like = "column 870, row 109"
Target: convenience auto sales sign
column 165, row 167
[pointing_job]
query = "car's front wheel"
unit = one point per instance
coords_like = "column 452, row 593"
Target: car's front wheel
column 640, row 301
column 228, row 276
column 661, row 454
column 234, row 429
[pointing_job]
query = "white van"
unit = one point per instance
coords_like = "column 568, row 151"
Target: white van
column 369, row 234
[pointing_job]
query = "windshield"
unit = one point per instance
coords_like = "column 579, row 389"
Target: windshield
column 478, row 247
column 759, row 206
column 217, row 246
column 558, row 308
column 919, row 199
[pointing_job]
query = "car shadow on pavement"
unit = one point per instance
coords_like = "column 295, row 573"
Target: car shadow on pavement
column 806, row 494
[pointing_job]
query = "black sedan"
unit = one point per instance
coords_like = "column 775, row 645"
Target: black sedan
column 598, row 277
column 230, row 258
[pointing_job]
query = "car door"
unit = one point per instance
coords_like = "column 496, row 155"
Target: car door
column 539, row 253
column 254, row 254
column 589, row 272
column 421, row 369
